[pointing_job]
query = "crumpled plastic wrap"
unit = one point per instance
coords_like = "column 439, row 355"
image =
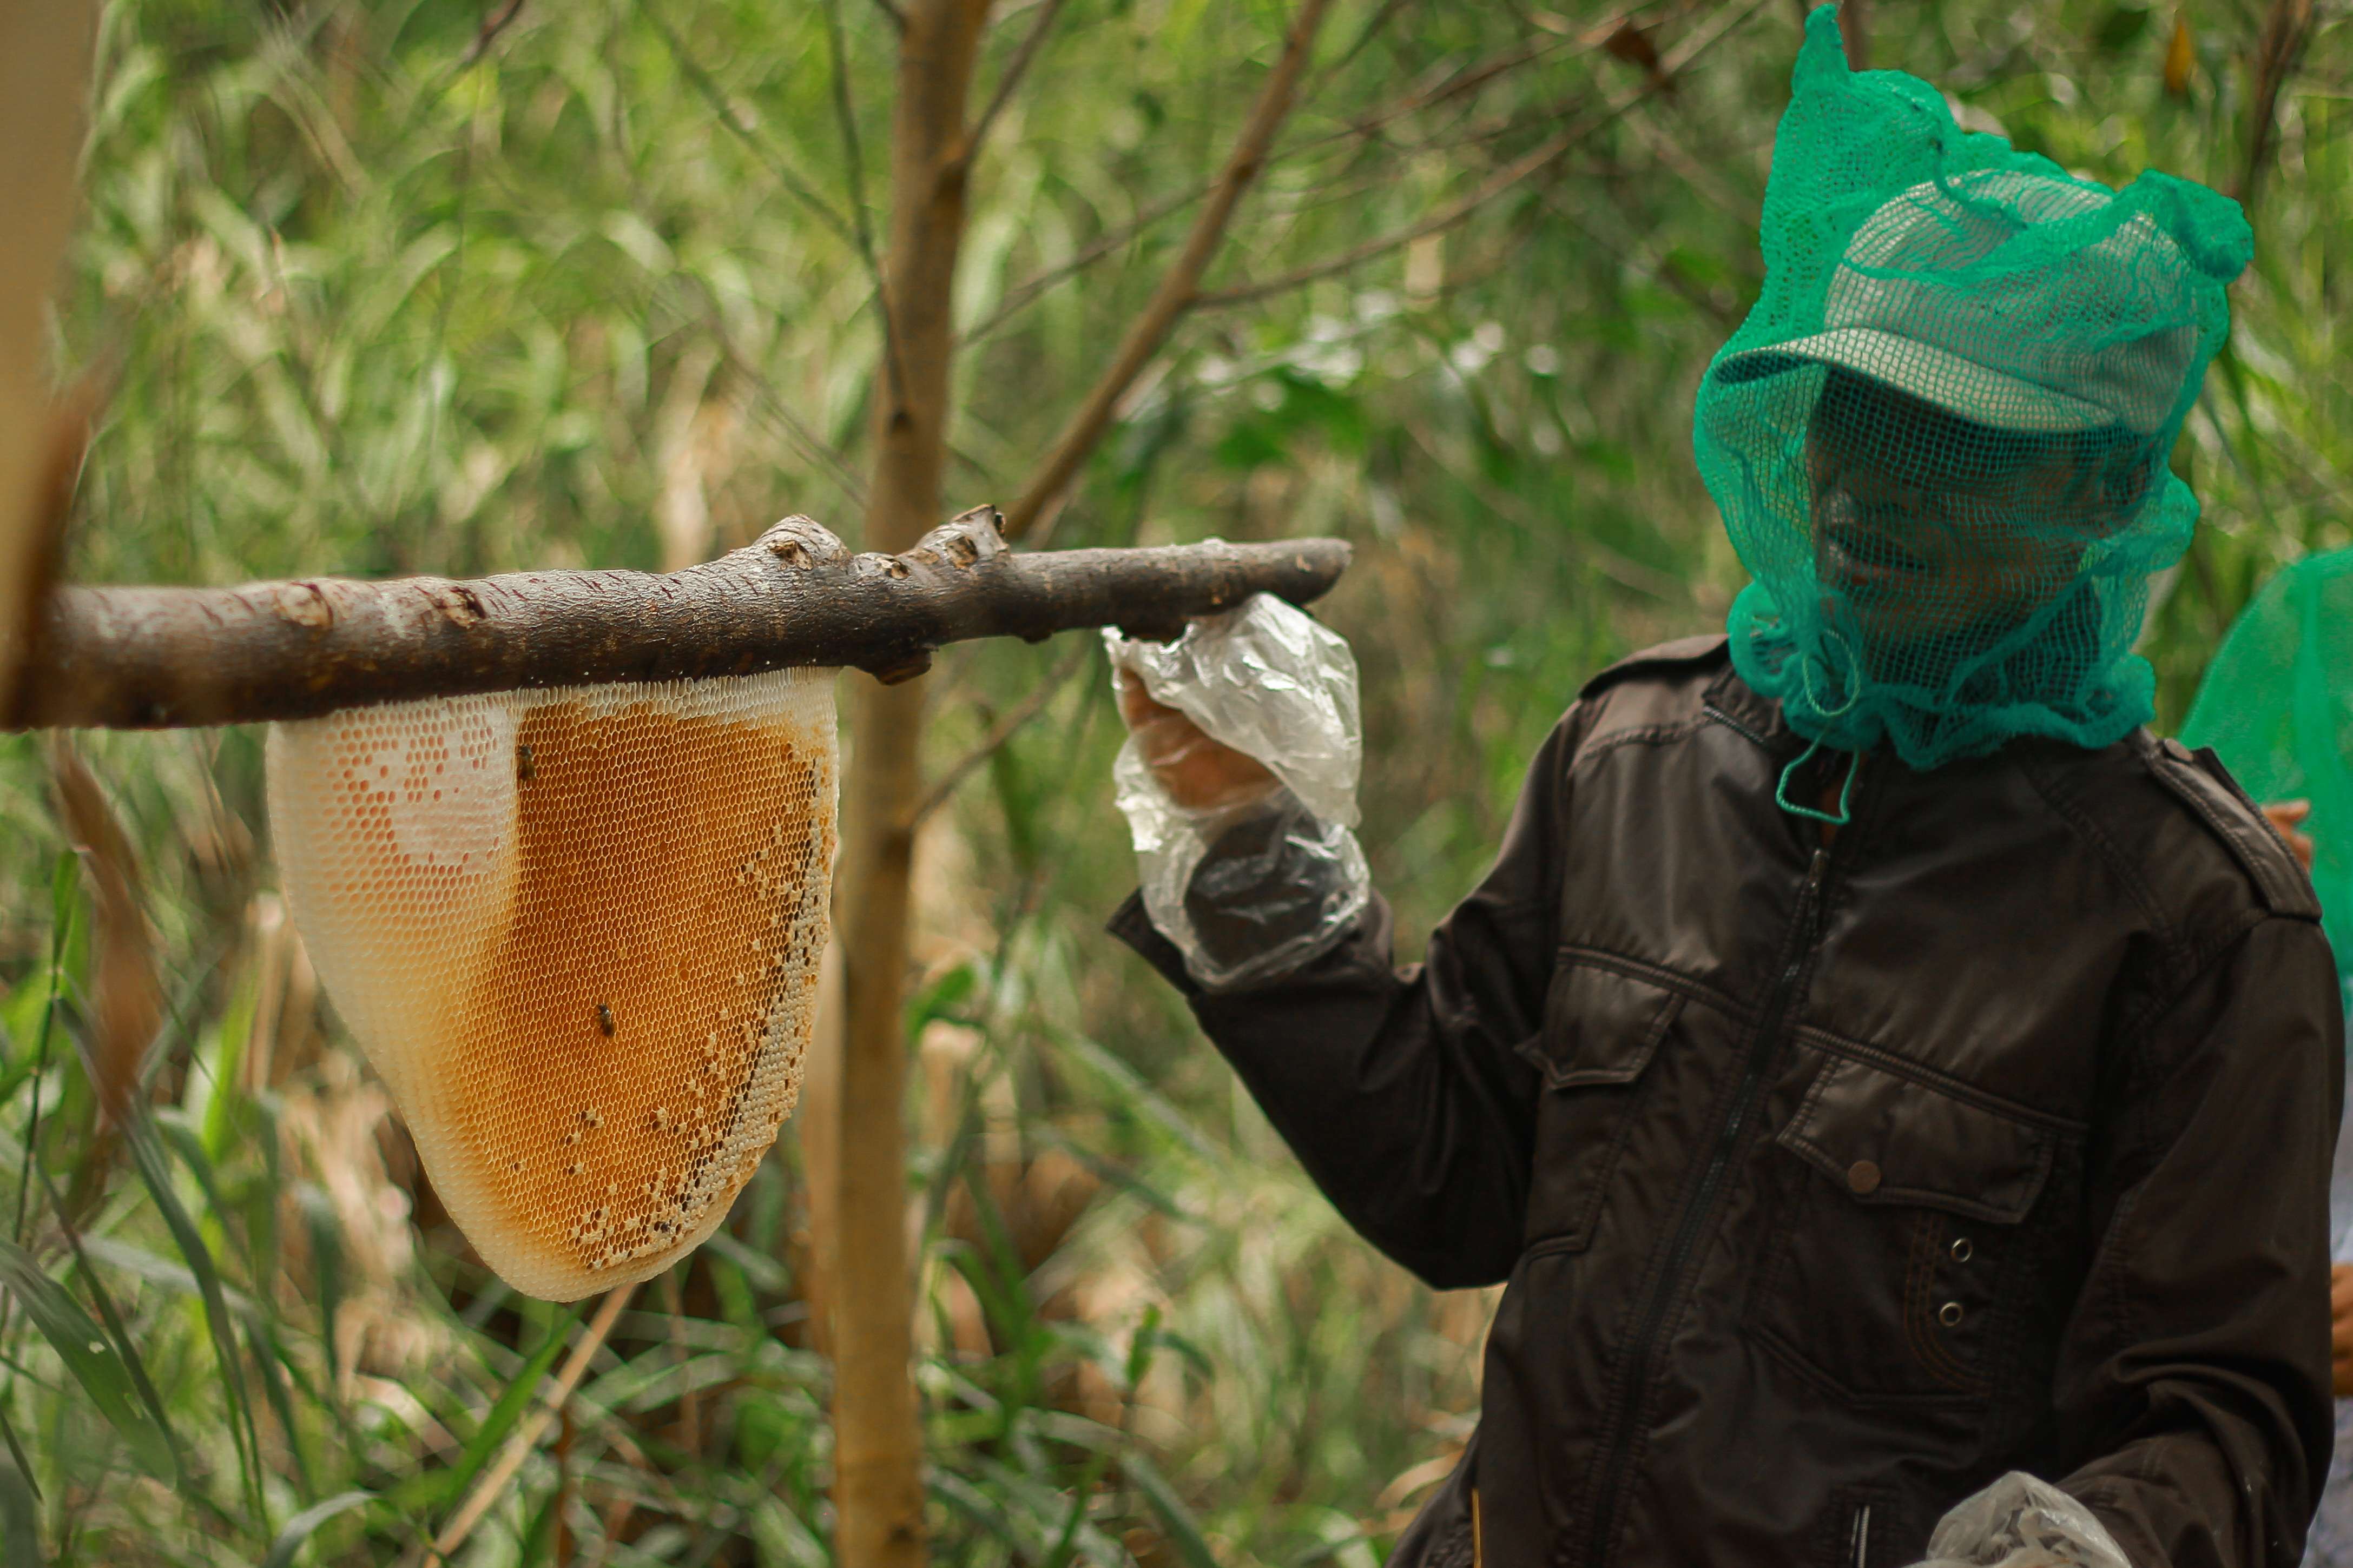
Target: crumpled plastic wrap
column 1288, row 877
column 2021, row 1523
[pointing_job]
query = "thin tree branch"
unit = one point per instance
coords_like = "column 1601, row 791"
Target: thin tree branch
column 847, row 114
column 1496, row 185
column 716, row 96
column 1450, row 85
column 2288, row 28
column 1364, row 36
column 1014, row 70
column 1019, row 298
column 1179, row 287
column 812, row 445
column 165, row 657
column 1446, row 217
column 492, row 26
column 1023, row 294
column 1003, row 731
column 1854, row 33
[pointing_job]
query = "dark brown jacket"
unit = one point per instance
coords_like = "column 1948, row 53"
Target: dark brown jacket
column 1831, row 1183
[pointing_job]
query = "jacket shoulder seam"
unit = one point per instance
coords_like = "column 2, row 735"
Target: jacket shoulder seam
column 1609, row 740
column 2111, row 856
column 2194, row 778
column 1684, row 651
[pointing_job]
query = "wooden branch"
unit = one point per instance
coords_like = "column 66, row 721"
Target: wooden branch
column 138, row 659
column 782, row 173
column 1446, row 217
column 2288, row 28
column 492, row 26
column 45, row 68
column 1017, row 297
column 1001, row 732
column 1496, row 185
column 1015, row 69
column 1021, row 294
column 1179, row 286
column 877, row 1437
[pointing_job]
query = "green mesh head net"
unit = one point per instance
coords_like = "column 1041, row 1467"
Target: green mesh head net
column 2277, row 706
column 1939, row 440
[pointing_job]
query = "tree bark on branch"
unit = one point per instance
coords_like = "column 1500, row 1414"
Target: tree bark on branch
column 155, row 657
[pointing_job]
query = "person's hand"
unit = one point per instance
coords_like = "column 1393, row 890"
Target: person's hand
column 2340, row 1328
column 1199, row 773
column 2287, row 819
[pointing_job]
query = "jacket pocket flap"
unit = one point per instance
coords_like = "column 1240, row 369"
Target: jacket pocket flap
column 1601, row 1026
column 1883, row 1138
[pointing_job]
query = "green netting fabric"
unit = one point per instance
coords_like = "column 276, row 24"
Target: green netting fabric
column 2277, row 705
column 1939, row 440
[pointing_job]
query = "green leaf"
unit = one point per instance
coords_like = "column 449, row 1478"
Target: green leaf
column 2120, row 27
column 429, row 1490
column 20, row 1519
column 1183, row 1530
column 538, row 1546
column 327, row 1267
column 941, row 999
column 155, row 1171
column 765, row 1272
column 302, row 1526
column 96, row 1363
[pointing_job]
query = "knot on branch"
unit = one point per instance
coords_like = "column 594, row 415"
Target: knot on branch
column 964, row 541
column 303, row 605
column 803, row 544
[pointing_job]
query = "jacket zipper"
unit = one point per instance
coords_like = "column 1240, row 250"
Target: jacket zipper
column 1800, row 949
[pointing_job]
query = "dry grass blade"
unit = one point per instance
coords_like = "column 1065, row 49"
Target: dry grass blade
column 127, row 997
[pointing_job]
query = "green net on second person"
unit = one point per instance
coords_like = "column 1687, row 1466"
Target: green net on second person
column 1939, row 440
column 2277, row 706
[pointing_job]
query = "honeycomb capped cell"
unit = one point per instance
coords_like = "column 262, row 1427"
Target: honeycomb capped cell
column 576, row 932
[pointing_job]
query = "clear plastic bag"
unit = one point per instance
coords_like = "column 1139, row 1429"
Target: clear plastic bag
column 1287, row 877
column 2021, row 1523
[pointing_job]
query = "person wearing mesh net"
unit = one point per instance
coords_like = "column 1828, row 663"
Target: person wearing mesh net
column 1894, row 1088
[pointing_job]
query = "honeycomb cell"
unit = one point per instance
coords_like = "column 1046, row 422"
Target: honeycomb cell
column 577, row 934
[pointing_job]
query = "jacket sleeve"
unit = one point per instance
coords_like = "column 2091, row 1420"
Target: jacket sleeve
column 1402, row 1090
column 2194, row 1380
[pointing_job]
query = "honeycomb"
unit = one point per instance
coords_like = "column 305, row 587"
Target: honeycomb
column 576, row 932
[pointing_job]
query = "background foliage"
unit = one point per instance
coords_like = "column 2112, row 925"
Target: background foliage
column 387, row 287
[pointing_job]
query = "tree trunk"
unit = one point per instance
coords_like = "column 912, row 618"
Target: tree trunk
column 157, row 658
column 45, row 54
column 878, row 1439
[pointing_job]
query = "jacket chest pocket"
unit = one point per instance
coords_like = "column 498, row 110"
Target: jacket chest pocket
column 1892, row 1276
column 1602, row 1027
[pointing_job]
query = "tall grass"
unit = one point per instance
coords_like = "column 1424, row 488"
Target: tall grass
column 370, row 308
